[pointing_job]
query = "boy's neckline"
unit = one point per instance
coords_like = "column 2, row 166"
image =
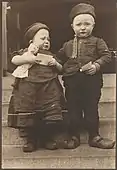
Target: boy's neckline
column 83, row 38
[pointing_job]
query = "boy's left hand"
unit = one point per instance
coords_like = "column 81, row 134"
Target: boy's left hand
column 92, row 70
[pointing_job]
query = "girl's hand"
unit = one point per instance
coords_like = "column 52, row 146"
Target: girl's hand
column 33, row 48
column 52, row 62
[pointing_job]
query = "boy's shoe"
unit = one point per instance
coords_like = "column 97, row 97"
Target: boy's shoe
column 29, row 145
column 73, row 143
column 102, row 143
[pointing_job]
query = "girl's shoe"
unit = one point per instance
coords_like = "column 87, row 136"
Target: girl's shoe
column 73, row 143
column 52, row 145
column 29, row 145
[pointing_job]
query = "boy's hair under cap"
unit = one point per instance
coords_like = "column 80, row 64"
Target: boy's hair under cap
column 82, row 8
column 33, row 29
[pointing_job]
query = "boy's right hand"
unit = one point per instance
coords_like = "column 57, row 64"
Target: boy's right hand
column 33, row 48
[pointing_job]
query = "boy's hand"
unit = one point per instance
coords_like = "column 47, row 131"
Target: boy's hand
column 92, row 70
column 52, row 62
column 33, row 48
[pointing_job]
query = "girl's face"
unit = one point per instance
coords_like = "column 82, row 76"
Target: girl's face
column 42, row 39
column 83, row 25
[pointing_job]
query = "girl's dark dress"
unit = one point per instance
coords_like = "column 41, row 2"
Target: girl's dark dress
column 37, row 97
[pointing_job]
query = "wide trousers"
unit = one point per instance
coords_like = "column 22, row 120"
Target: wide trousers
column 36, row 107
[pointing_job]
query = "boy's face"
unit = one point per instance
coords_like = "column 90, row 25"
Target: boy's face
column 83, row 25
column 42, row 39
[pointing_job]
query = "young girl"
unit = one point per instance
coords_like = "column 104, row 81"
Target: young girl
column 36, row 99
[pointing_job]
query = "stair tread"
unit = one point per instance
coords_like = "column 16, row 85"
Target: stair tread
column 103, row 120
column 107, row 129
column 101, row 101
column 10, row 152
column 106, row 110
column 70, row 163
column 108, row 94
column 7, row 81
column 109, row 81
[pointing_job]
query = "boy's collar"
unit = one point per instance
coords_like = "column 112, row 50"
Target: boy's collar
column 83, row 38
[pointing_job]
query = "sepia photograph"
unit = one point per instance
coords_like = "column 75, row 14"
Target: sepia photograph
column 59, row 84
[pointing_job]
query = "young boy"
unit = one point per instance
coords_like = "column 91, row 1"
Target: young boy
column 83, row 59
column 37, row 92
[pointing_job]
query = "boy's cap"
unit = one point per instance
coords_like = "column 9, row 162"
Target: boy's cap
column 33, row 29
column 82, row 8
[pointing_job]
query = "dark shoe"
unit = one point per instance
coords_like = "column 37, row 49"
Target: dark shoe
column 73, row 143
column 102, row 143
column 29, row 146
column 51, row 145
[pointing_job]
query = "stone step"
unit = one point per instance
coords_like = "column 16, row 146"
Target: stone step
column 106, row 109
column 83, row 157
column 10, row 136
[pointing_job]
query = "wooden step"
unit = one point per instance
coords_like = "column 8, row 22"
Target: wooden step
column 10, row 136
column 106, row 105
column 83, row 157
column 106, row 109
column 109, row 80
column 7, row 81
column 108, row 94
column 108, row 90
column 6, row 94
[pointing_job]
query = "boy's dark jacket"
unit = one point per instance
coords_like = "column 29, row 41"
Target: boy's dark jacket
column 91, row 49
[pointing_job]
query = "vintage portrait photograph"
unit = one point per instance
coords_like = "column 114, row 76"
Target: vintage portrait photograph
column 59, row 84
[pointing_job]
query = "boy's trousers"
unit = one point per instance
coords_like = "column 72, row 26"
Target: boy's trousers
column 83, row 93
